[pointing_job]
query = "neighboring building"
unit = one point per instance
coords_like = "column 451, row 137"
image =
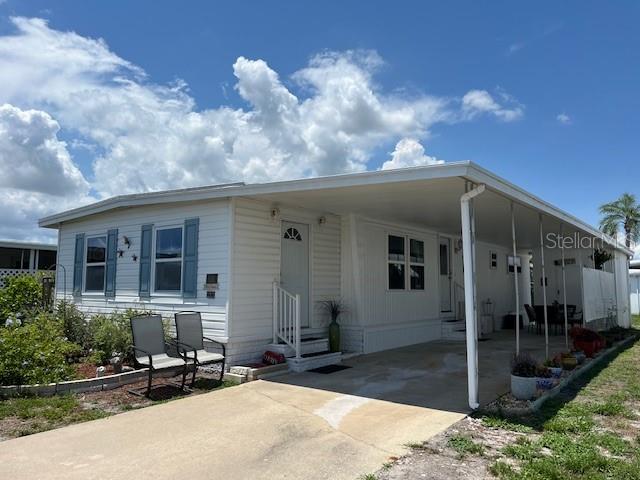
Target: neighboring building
column 17, row 258
column 256, row 260
column 634, row 283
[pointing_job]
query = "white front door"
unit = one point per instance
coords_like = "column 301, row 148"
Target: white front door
column 294, row 264
column 445, row 275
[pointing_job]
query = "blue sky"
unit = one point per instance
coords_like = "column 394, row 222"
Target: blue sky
column 569, row 70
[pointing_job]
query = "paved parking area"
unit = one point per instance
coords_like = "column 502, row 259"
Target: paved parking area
column 307, row 425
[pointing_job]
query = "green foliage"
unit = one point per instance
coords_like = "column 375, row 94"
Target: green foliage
column 504, row 424
column 111, row 336
column 38, row 414
column 463, row 444
column 76, row 326
column 523, row 449
column 35, row 352
column 20, row 296
column 623, row 213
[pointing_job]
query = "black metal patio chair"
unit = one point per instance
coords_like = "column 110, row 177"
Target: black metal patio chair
column 190, row 341
column 150, row 349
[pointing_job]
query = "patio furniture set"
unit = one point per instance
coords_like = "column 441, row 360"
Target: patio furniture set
column 152, row 349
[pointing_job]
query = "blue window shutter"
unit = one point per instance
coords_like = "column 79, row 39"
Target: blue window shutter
column 112, row 263
column 190, row 259
column 145, row 260
column 78, row 264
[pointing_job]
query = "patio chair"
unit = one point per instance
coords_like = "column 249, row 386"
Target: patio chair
column 190, row 340
column 150, row 349
column 533, row 318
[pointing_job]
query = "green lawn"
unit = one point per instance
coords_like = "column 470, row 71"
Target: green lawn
column 27, row 415
column 592, row 431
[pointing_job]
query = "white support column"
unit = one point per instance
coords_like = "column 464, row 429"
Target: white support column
column 471, row 311
column 564, row 289
column 515, row 277
column 544, row 293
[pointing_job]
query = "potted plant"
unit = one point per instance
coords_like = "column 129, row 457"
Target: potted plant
column 523, row 376
column 568, row 361
column 544, row 380
column 586, row 340
column 334, row 308
column 555, row 366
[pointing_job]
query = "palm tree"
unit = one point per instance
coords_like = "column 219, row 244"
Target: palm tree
column 623, row 212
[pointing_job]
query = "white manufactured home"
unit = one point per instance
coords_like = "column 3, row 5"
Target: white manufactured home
column 417, row 255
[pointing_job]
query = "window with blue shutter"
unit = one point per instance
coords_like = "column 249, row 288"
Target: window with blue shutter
column 190, row 258
column 145, row 261
column 111, row 263
column 78, row 266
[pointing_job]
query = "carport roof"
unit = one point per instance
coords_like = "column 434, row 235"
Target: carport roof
column 427, row 195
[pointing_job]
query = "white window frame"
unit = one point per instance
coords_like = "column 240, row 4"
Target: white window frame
column 417, row 264
column 154, row 260
column 94, row 264
column 406, row 262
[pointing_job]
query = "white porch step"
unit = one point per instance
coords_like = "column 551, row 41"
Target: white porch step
column 453, row 330
column 303, row 364
column 308, row 345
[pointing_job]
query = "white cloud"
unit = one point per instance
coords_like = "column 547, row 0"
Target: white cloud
column 476, row 102
column 328, row 117
column 39, row 176
column 409, row 152
column 32, row 157
column 564, row 119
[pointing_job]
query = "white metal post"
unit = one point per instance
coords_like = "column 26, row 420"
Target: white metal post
column 564, row 289
column 471, row 316
column 544, row 293
column 515, row 278
column 297, row 326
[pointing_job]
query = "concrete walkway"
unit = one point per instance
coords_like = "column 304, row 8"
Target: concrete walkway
column 309, row 425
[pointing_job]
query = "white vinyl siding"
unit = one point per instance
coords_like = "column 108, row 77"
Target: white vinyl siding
column 213, row 253
column 256, row 264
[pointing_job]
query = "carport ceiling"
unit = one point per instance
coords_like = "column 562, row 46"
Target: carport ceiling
column 432, row 204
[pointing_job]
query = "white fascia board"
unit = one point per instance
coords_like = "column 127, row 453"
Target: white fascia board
column 453, row 169
column 479, row 175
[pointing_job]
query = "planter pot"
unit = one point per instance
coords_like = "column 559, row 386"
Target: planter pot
column 544, row 383
column 523, row 388
column 556, row 372
column 569, row 363
column 334, row 336
column 580, row 356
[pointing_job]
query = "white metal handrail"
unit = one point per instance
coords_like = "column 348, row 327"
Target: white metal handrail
column 286, row 318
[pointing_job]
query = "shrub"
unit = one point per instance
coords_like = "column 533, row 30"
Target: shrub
column 111, row 336
column 20, row 296
column 75, row 324
column 35, row 352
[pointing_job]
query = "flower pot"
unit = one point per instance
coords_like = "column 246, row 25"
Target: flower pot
column 580, row 356
column 334, row 336
column 556, row 372
column 569, row 363
column 544, row 383
column 523, row 388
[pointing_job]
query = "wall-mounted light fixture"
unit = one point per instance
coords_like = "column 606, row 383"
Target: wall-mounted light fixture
column 120, row 253
column 134, row 257
column 322, row 220
column 274, row 214
column 126, row 241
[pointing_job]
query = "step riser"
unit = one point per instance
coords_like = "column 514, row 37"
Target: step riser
column 314, row 346
column 304, row 364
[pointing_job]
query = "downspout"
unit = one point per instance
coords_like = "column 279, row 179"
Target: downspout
column 470, row 310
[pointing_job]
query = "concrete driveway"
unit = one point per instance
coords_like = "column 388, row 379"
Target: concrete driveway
column 308, row 425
